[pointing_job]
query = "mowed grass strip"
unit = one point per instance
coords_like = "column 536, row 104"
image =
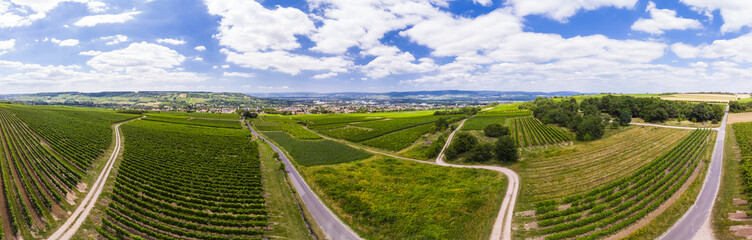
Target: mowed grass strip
column 316, row 152
column 572, row 170
column 396, row 199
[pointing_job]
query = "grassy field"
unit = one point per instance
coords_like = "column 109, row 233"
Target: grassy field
column 733, row 181
column 285, row 219
column 316, row 152
column 395, row 199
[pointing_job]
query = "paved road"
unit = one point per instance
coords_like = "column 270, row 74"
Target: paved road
column 502, row 228
column 74, row 222
column 333, row 227
column 693, row 220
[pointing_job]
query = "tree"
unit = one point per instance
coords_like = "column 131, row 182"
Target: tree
column 248, row 114
column 590, row 128
column 495, row 130
column 440, row 124
column 480, row 153
column 505, row 149
column 465, row 142
column 625, row 116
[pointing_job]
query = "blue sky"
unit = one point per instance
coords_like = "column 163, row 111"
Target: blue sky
column 630, row 46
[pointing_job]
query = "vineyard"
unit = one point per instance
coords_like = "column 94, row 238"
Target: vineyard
column 529, row 132
column 275, row 124
column 612, row 207
column 37, row 174
column 78, row 134
column 186, row 182
column 483, row 119
column 318, row 152
column 743, row 132
column 206, row 122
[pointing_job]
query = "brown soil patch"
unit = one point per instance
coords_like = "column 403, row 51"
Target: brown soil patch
column 739, row 216
column 742, row 231
column 564, row 207
column 526, row 213
column 739, row 201
column 530, row 226
column 739, row 117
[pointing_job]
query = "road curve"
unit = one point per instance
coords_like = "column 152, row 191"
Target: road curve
column 75, row 220
column 333, row 227
column 693, row 220
column 502, row 228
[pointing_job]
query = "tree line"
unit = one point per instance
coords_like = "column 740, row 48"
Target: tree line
column 589, row 118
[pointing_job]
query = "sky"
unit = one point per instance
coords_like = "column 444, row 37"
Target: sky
column 620, row 46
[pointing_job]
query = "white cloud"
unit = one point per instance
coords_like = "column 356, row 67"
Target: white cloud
column 238, row 74
column 286, row 62
column 483, row 2
column 96, row 6
column 63, row 43
column 735, row 13
column 663, row 19
column 90, row 21
column 137, row 58
column 7, row 44
column 560, row 10
column 116, row 39
column 200, row 48
column 363, row 23
column 699, row 64
column 247, row 26
column 90, row 53
column 257, row 37
column 325, row 75
column 225, row 66
column 737, row 49
column 171, row 41
column 390, row 60
column 198, row 59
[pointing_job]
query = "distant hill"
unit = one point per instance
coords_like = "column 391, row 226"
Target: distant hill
column 145, row 99
column 431, row 96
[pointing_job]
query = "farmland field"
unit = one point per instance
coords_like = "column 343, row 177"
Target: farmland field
column 529, row 132
column 386, row 198
column 483, row 119
column 611, row 207
column 194, row 121
column 43, row 161
column 561, row 172
column 209, row 184
column 316, row 152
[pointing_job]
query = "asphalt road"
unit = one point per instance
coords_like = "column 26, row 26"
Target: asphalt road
column 333, row 227
column 689, row 224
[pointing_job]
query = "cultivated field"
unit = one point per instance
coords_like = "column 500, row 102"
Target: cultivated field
column 607, row 209
column 530, row 132
column 316, row 152
column 209, row 184
column 739, row 117
column 45, row 154
column 563, row 172
column 207, row 122
column 704, row 97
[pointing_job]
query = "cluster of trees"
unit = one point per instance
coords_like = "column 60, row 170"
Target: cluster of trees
column 461, row 111
column 247, row 114
column 440, row 124
column 737, row 107
column 503, row 149
column 587, row 120
column 274, row 111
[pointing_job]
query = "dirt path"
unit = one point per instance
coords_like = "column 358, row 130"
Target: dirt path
column 502, row 228
column 71, row 225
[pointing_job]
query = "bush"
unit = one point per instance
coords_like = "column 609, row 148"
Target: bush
column 496, row 130
column 505, row 149
column 481, row 153
column 464, row 143
column 590, row 128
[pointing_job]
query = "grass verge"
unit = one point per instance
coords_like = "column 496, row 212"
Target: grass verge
column 732, row 186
